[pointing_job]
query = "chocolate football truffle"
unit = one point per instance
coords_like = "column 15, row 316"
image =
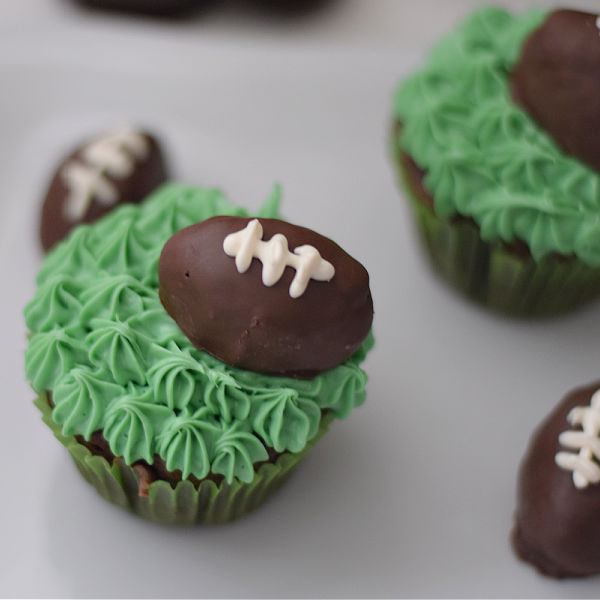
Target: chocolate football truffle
column 265, row 295
column 122, row 165
column 557, row 81
column 557, row 528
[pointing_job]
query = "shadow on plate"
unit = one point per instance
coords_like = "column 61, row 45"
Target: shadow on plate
column 182, row 9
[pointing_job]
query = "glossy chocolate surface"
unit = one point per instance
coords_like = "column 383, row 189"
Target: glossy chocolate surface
column 557, row 81
column 557, row 528
column 148, row 174
column 238, row 319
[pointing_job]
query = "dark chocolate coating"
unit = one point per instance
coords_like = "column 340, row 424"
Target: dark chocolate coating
column 557, row 81
column 147, row 175
column 246, row 324
column 557, row 528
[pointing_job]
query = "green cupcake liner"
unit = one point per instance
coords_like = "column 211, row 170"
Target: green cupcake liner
column 492, row 275
column 185, row 504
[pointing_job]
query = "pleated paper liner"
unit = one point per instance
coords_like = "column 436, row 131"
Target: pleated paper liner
column 184, row 505
column 492, row 275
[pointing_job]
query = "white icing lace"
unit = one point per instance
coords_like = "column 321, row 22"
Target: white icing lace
column 114, row 154
column 247, row 244
column 584, row 464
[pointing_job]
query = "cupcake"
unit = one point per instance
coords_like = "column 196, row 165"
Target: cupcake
column 494, row 140
column 193, row 405
column 556, row 525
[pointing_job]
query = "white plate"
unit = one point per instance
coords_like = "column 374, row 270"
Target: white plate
column 411, row 496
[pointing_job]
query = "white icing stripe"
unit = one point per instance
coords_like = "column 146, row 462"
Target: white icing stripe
column 115, row 154
column 85, row 183
column 107, row 153
column 584, row 464
column 275, row 256
column 598, row 24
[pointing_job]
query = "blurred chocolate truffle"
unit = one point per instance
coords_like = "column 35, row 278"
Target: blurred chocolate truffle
column 119, row 166
column 557, row 81
column 557, row 528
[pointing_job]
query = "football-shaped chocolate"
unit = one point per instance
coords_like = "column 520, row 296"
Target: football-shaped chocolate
column 266, row 295
column 557, row 81
column 122, row 165
column 557, row 528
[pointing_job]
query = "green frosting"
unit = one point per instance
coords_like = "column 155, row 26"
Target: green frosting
column 115, row 361
column 484, row 157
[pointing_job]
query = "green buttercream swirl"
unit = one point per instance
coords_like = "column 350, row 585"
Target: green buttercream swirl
column 115, row 362
column 484, row 157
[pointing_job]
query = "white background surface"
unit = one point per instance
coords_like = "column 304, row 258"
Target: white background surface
column 411, row 496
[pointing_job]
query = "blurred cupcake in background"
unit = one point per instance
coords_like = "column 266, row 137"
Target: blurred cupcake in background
column 495, row 142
